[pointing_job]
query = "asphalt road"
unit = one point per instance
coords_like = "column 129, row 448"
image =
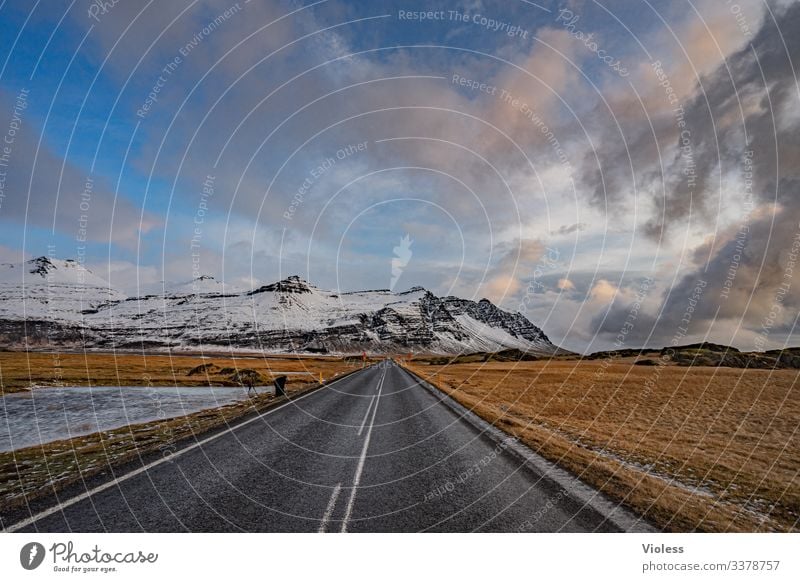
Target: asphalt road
column 373, row 452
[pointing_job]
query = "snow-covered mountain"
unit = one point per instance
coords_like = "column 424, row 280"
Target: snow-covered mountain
column 60, row 304
column 55, row 289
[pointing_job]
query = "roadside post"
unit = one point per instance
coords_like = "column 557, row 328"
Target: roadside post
column 280, row 386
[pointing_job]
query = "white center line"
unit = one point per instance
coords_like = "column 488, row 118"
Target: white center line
column 329, row 510
column 363, row 458
column 366, row 414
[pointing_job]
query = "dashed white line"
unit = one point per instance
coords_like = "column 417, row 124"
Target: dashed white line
column 329, row 510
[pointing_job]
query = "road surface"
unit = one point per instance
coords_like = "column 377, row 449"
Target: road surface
column 372, row 452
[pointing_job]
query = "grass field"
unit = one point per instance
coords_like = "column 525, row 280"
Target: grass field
column 692, row 449
column 21, row 370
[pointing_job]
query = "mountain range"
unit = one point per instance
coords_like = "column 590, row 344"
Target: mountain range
column 55, row 303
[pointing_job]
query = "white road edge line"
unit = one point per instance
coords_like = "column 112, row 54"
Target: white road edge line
column 86, row 494
column 329, row 510
column 362, row 459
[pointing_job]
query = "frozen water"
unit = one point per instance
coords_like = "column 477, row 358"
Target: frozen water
column 48, row 414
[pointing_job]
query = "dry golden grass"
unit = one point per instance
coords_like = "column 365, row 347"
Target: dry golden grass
column 692, row 449
column 21, row 370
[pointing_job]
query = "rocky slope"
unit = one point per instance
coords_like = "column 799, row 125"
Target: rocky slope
column 52, row 303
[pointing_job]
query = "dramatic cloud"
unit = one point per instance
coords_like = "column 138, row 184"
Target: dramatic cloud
column 746, row 268
column 609, row 146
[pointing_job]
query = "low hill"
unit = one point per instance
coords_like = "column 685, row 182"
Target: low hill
column 706, row 354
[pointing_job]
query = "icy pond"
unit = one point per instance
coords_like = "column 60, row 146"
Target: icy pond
column 48, row 414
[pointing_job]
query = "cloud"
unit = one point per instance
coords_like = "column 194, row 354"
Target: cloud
column 745, row 153
column 566, row 229
column 563, row 152
column 565, row 285
column 603, row 292
column 751, row 260
column 43, row 189
column 515, row 266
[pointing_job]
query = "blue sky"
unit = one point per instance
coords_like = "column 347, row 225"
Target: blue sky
column 550, row 151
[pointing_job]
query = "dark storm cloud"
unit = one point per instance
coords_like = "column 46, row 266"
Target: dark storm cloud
column 765, row 71
column 565, row 229
column 744, row 120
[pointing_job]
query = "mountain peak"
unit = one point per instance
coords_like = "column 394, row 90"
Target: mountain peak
column 44, row 266
column 291, row 284
column 40, row 266
column 53, row 289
